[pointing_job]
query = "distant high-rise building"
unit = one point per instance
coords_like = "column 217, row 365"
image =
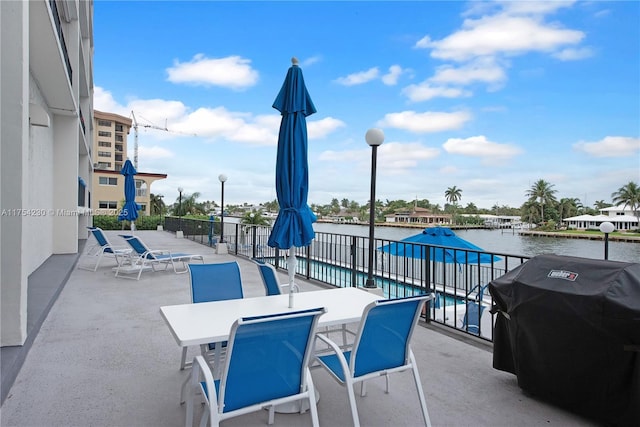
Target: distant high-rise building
column 110, row 132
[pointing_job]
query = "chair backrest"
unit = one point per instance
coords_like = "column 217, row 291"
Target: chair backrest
column 269, row 277
column 99, row 236
column 384, row 334
column 138, row 246
column 266, row 358
column 215, row 282
column 471, row 320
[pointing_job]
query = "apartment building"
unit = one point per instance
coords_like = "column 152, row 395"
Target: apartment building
column 46, row 120
column 111, row 133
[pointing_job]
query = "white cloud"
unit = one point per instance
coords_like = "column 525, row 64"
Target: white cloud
column 312, row 60
column 426, row 122
column 394, row 158
column 359, row 78
column 317, row 129
column 391, row 78
column 233, row 72
column 424, row 92
column 502, row 34
column 103, row 101
column 610, row 146
column 479, row 146
column 573, row 54
column 481, row 70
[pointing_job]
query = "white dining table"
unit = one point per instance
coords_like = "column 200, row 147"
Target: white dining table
column 207, row 322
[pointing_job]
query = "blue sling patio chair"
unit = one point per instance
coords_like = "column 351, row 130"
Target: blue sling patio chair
column 270, row 280
column 103, row 247
column 472, row 316
column 381, row 347
column 143, row 258
column 267, row 364
column 213, row 282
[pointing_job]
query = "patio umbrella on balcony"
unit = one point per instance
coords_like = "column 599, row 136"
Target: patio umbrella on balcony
column 294, row 225
column 457, row 250
column 129, row 211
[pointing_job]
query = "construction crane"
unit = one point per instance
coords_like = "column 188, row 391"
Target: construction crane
column 135, row 130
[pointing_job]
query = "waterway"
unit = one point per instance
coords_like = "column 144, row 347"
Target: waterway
column 505, row 242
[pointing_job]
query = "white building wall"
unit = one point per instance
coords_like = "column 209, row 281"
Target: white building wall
column 42, row 147
column 14, row 116
column 39, row 177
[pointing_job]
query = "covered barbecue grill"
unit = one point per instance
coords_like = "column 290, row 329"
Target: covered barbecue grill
column 569, row 329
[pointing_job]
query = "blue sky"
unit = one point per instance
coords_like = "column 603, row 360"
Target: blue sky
column 485, row 96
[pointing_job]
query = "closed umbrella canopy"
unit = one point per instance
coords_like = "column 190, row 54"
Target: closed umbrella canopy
column 439, row 236
column 294, row 224
column 130, row 209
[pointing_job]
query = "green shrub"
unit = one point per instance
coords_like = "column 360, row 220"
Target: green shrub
column 110, row 222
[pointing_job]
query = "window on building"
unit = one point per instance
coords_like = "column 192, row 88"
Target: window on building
column 119, row 138
column 109, row 204
column 104, row 165
column 119, row 148
column 104, row 144
column 119, row 128
column 105, row 180
column 106, row 123
column 104, row 154
column 104, row 133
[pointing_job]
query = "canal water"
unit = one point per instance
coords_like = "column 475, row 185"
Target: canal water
column 505, row 242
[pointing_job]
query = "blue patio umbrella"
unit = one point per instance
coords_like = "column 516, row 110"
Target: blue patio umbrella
column 129, row 211
column 439, row 236
column 294, row 225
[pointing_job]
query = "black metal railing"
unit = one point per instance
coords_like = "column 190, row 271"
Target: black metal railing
column 63, row 44
column 342, row 260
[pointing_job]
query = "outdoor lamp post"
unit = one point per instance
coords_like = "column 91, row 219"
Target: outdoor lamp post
column 374, row 138
column 222, row 177
column 161, row 226
column 606, row 227
column 179, row 232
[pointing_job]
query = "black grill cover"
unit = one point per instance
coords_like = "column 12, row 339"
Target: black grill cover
column 569, row 329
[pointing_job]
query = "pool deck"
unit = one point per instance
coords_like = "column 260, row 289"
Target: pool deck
column 104, row 357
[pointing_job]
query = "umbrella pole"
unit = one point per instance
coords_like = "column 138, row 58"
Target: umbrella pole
column 291, row 265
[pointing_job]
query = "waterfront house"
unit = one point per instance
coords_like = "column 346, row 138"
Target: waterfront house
column 622, row 218
column 419, row 216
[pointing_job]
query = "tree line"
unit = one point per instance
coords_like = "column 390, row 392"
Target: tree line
column 541, row 206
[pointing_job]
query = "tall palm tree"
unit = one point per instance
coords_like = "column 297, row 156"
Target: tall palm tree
column 453, row 195
column 156, row 204
column 629, row 195
column 189, row 205
column 543, row 191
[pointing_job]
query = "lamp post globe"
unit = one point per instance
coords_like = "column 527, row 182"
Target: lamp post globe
column 606, row 227
column 374, row 137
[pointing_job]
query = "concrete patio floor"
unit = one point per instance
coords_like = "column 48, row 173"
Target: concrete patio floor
column 105, row 357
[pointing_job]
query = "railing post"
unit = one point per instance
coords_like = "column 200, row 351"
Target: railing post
column 354, row 261
column 253, row 239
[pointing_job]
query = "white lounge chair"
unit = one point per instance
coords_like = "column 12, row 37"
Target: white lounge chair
column 144, row 258
column 103, row 247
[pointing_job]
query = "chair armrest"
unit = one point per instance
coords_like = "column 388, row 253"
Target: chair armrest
column 335, row 349
column 200, row 368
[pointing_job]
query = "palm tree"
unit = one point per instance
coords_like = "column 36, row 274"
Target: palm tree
column 566, row 208
column 543, row 191
column 629, row 195
column 189, row 205
column 453, row 195
column 156, row 204
column 254, row 218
